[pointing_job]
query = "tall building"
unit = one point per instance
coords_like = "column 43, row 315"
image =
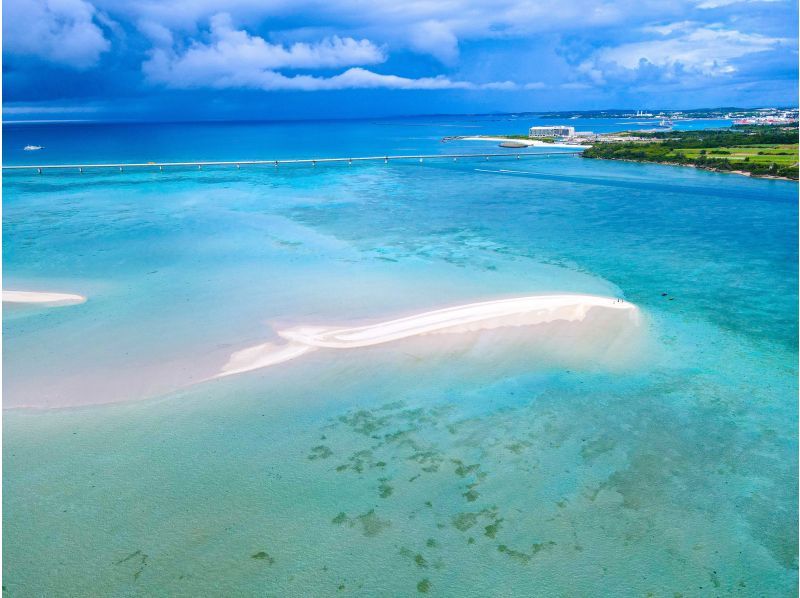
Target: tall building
column 553, row 131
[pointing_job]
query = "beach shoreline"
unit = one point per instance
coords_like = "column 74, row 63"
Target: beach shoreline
column 700, row 167
column 526, row 142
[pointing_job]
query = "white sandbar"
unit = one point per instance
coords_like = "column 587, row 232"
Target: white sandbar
column 526, row 142
column 37, row 297
column 472, row 317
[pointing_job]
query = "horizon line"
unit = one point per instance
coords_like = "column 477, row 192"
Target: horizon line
column 384, row 117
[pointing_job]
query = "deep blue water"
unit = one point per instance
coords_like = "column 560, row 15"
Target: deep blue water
column 477, row 470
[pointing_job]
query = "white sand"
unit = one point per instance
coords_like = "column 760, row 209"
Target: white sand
column 262, row 356
column 520, row 311
column 36, row 297
column 527, row 142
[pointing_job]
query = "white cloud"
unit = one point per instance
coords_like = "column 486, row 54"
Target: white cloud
column 670, row 28
column 358, row 78
column 233, row 58
column 232, row 51
column 41, row 109
column 427, row 27
column 685, row 48
column 270, row 80
column 435, row 38
column 61, row 31
column 156, row 33
column 709, row 4
column 263, row 44
column 500, row 85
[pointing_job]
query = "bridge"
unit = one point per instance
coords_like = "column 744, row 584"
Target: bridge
column 41, row 168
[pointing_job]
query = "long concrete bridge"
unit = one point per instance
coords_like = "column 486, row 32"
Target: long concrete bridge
column 41, row 168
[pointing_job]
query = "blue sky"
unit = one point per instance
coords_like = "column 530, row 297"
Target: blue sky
column 197, row 59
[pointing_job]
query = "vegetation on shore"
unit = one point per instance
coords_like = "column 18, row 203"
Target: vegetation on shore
column 759, row 151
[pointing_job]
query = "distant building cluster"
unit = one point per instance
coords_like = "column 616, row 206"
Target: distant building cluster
column 764, row 116
column 767, row 120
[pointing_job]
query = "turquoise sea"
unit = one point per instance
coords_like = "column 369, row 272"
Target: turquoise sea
column 473, row 470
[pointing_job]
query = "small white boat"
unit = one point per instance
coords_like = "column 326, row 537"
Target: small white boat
column 32, row 148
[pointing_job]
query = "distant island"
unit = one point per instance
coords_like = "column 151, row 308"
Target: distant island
column 763, row 151
column 755, row 115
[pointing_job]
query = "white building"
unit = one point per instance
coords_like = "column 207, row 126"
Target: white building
column 554, row 131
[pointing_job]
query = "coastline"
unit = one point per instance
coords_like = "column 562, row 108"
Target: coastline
column 526, row 142
column 699, row 167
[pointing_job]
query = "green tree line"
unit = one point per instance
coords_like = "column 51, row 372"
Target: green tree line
column 669, row 143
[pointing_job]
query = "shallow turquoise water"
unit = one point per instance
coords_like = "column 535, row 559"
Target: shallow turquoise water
column 392, row 471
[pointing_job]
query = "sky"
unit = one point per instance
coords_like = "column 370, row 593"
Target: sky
column 287, row 59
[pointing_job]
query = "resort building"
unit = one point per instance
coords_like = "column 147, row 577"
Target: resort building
column 553, row 131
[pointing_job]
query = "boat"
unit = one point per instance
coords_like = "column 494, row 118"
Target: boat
column 666, row 122
column 32, row 148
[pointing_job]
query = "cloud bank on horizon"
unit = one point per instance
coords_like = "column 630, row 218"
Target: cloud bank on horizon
column 314, row 58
